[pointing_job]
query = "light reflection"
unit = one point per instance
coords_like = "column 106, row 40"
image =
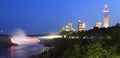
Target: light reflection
column 11, row 52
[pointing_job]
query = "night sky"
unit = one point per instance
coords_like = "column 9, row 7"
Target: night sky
column 49, row 16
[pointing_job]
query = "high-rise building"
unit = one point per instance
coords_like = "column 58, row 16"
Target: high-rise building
column 106, row 17
column 69, row 27
column 99, row 24
column 81, row 26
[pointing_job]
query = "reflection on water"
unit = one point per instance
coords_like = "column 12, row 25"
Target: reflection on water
column 11, row 51
column 21, row 51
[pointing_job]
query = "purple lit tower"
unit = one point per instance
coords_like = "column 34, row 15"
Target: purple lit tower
column 106, row 17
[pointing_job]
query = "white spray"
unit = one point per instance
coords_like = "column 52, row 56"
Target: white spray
column 19, row 37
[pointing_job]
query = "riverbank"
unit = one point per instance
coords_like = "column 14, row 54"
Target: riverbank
column 59, row 47
column 81, row 48
column 47, row 42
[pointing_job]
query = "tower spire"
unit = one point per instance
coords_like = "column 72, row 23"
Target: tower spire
column 106, row 9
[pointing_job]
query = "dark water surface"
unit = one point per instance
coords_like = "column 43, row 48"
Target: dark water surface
column 20, row 51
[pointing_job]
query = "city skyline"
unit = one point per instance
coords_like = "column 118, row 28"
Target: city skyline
column 37, row 17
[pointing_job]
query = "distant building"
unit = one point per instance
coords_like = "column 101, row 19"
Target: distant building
column 99, row 24
column 81, row 26
column 106, row 17
column 62, row 30
column 69, row 27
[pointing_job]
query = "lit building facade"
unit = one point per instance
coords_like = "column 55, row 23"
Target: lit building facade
column 99, row 24
column 81, row 26
column 106, row 17
column 62, row 30
column 69, row 27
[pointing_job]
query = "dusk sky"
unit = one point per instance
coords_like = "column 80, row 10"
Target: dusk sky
column 49, row 16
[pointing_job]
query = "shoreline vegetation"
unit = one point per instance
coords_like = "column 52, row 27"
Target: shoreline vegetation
column 93, row 43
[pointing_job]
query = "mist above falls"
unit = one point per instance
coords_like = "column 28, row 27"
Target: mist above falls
column 19, row 37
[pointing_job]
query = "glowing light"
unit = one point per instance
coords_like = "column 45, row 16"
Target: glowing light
column 99, row 24
column 1, row 31
column 51, row 36
column 26, row 40
column 83, row 25
column 13, row 41
column 105, row 9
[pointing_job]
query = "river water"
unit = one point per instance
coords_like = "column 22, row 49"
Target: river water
column 20, row 51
